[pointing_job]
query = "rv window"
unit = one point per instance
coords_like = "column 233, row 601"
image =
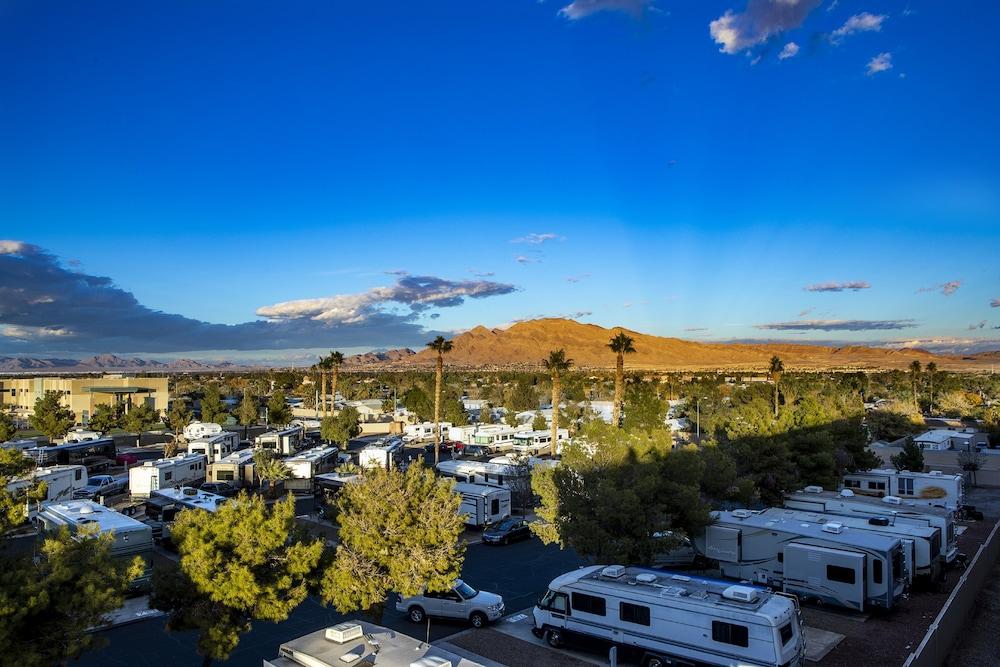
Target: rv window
column 495, row 506
column 878, row 486
column 590, row 604
column 728, row 633
column 843, row 575
column 877, row 571
column 852, row 484
column 167, row 476
column 79, row 474
column 781, row 556
column 557, row 602
column 786, row 633
column 633, row 613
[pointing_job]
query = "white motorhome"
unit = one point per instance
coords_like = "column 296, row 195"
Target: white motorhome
column 283, row 442
column 932, row 488
column 216, row 446
column 483, row 504
column 180, row 470
column 539, row 442
column 385, row 453
column 305, row 465
column 825, row 562
column 82, row 435
column 479, row 472
column 815, row 499
column 61, row 483
column 671, row 619
column 495, row 437
column 196, row 430
column 425, row 431
column 236, row 468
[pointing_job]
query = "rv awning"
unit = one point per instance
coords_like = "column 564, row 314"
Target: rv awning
column 118, row 390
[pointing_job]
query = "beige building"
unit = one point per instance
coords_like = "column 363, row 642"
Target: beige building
column 82, row 394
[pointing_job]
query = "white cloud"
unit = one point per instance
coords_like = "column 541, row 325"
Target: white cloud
column 837, row 325
column 947, row 288
column 537, row 239
column 880, row 63
column 863, row 22
column 852, row 285
column 13, row 247
column 579, row 9
column 790, row 51
column 761, row 20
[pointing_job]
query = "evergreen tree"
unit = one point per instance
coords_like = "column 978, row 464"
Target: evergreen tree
column 179, row 416
column 50, row 417
column 340, row 428
column 15, row 466
column 7, row 426
column 278, row 412
column 645, row 410
column 524, row 397
column 910, row 458
column 106, row 416
column 212, row 407
column 248, row 412
column 538, row 423
column 510, row 417
column 485, row 415
column 269, row 468
column 139, row 420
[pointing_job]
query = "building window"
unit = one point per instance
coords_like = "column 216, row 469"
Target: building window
column 730, row 633
column 906, row 486
column 842, row 575
column 224, row 475
column 589, row 604
column 633, row 613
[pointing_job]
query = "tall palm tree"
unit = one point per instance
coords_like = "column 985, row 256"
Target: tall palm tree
column 620, row 345
column 914, row 378
column 931, row 372
column 335, row 360
column 323, row 364
column 775, row 371
column 556, row 364
column 314, row 370
column 441, row 346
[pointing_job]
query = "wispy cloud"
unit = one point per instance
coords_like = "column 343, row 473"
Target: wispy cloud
column 947, row 288
column 979, row 325
column 578, row 278
column 692, row 329
column 789, row 51
column 995, row 303
column 483, row 274
column 837, row 325
column 524, row 259
column 880, row 63
column 579, row 9
column 761, row 20
column 538, row 239
column 863, row 22
column 803, row 313
column 852, row 285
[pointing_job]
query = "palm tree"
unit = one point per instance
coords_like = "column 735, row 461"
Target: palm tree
column 270, row 469
column 314, row 369
column 556, row 364
column 914, row 378
column 333, row 362
column 322, row 365
column 931, row 372
column 620, row 345
column 775, row 371
column 441, row 346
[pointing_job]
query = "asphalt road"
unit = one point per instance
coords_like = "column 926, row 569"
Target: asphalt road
column 519, row 572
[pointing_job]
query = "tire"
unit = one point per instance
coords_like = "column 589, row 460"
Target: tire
column 478, row 619
column 416, row 614
column 554, row 638
column 654, row 661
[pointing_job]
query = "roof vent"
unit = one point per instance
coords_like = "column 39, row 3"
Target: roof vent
column 613, row 571
column 740, row 593
column 892, row 500
column 680, row 577
column 646, row 578
column 344, row 632
column 833, row 527
column 813, row 489
column 936, row 473
column 846, row 493
column 742, row 514
column 188, row 491
column 86, row 509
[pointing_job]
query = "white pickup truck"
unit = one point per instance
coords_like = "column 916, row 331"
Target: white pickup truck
column 102, row 485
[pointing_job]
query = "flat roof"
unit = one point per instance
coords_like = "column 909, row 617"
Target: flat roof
column 191, row 497
column 87, row 512
column 849, row 536
column 312, row 454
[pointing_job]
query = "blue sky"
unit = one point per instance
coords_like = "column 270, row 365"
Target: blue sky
column 679, row 168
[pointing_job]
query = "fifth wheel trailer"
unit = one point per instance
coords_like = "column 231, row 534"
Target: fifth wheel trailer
column 828, row 563
column 483, row 504
column 180, row 470
column 215, row 446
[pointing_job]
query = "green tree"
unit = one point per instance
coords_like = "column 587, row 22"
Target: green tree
column 932, row 373
column 278, row 411
column 441, row 347
column 538, row 422
column 15, row 466
column 889, row 425
column 524, row 397
column 179, row 416
column 50, row 417
column 269, row 468
column 334, row 362
column 914, row 382
column 645, row 410
column 340, row 428
column 485, row 415
column 621, row 345
column 557, row 364
column 106, row 416
column 7, row 426
column 776, row 368
column 510, row 417
column 248, row 412
column 48, row 605
column 241, row 563
column 910, row 458
column 139, row 419
column 398, row 532
column 212, row 407
column 419, row 403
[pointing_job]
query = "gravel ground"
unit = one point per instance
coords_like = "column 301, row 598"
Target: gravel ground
column 512, row 651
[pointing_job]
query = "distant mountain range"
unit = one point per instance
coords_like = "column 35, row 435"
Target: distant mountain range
column 107, row 362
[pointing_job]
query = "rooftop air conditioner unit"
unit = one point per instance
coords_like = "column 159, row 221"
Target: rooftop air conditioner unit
column 646, row 578
column 936, row 473
column 892, row 500
column 740, row 593
column 833, row 527
column 344, row 632
column 188, row 491
column 742, row 514
column 613, row 571
column 813, row 489
column 846, row 493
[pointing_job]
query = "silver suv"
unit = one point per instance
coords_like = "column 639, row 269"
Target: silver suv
column 461, row 601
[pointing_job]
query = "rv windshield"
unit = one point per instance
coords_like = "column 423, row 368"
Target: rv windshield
column 466, row 591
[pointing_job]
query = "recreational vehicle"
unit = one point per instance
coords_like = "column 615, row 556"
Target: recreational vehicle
column 131, row 538
column 162, row 506
column 81, row 435
column 463, row 434
column 236, row 468
column 335, row 481
column 483, row 504
column 495, row 437
column 538, row 442
column 186, row 497
column 815, row 499
column 19, row 445
column 932, row 488
column 180, row 470
column 385, row 453
column 479, row 472
column 284, row 442
column 96, row 455
column 671, row 619
column 305, row 465
column 425, row 431
column 196, row 430
column 824, row 562
column 215, row 447
column 61, row 483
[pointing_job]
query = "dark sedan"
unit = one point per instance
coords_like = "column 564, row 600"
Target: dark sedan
column 507, row 531
column 224, row 489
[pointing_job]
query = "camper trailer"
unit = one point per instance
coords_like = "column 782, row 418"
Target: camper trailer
column 534, row 443
column 483, row 504
column 196, row 430
column 180, row 470
column 479, row 472
column 162, row 506
column 932, row 488
column 215, row 447
column 425, row 431
column 305, row 465
column 96, row 455
column 385, row 453
column 845, row 503
column 131, row 538
column 495, row 438
column 824, row 562
column 81, row 435
column 236, row 468
column 463, row 434
column 61, row 483
column 671, row 619
column 335, row 481
column 284, row 442
column 186, row 497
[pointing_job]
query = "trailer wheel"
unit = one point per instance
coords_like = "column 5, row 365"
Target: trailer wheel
column 654, row 661
column 416, row 614
column 554, row 638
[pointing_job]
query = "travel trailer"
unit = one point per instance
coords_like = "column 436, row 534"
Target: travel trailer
column 96, row 455
column 284, row 442
column 61, row 483
column 815, row 499
column 463, row 434
column 19, row 445
column 131, row 538
column 539, row 442
column 335, row 481
column 932, row 488
column 824, row 562
column 236, row 468
column 483, row 504
column 305, row 465
column 424, row 431
column 664, row 618
column 196, row 430
column 186, row 497
column 81, row 435
column 180, row 470
column 162, row 506
column 385, row 453
column 479, row 472
column 216, row 446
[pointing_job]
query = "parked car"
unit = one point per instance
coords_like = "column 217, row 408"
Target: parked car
column 126, row 459
column 102, row 485
column 507, row 531
column 475, row 450
column 461, row 601
column 224, row 489
column 446, row 446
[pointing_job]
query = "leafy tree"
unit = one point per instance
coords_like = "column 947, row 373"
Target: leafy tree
column 248, row 412
column 48, row 605
column 453, row 411
column 557, row 364
column 179, row 416
column 538, row 423
column 139, row 419
column 212, row 407
column 524, row 397
column 242, row 563
column 7, row 426
column 776, row 368
column 398, row 532
column 14, row 466
column 645, row 409
column 278, row 411
column 958, row 403
column 442, row 347
column 50, row 417
column 269, row 468
column 106, row 416
column 910, row 458
column 889, row 425
column 621, row 345
column 419, row 403
column 485, row 415
column 341, row 427
column 971, row 461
